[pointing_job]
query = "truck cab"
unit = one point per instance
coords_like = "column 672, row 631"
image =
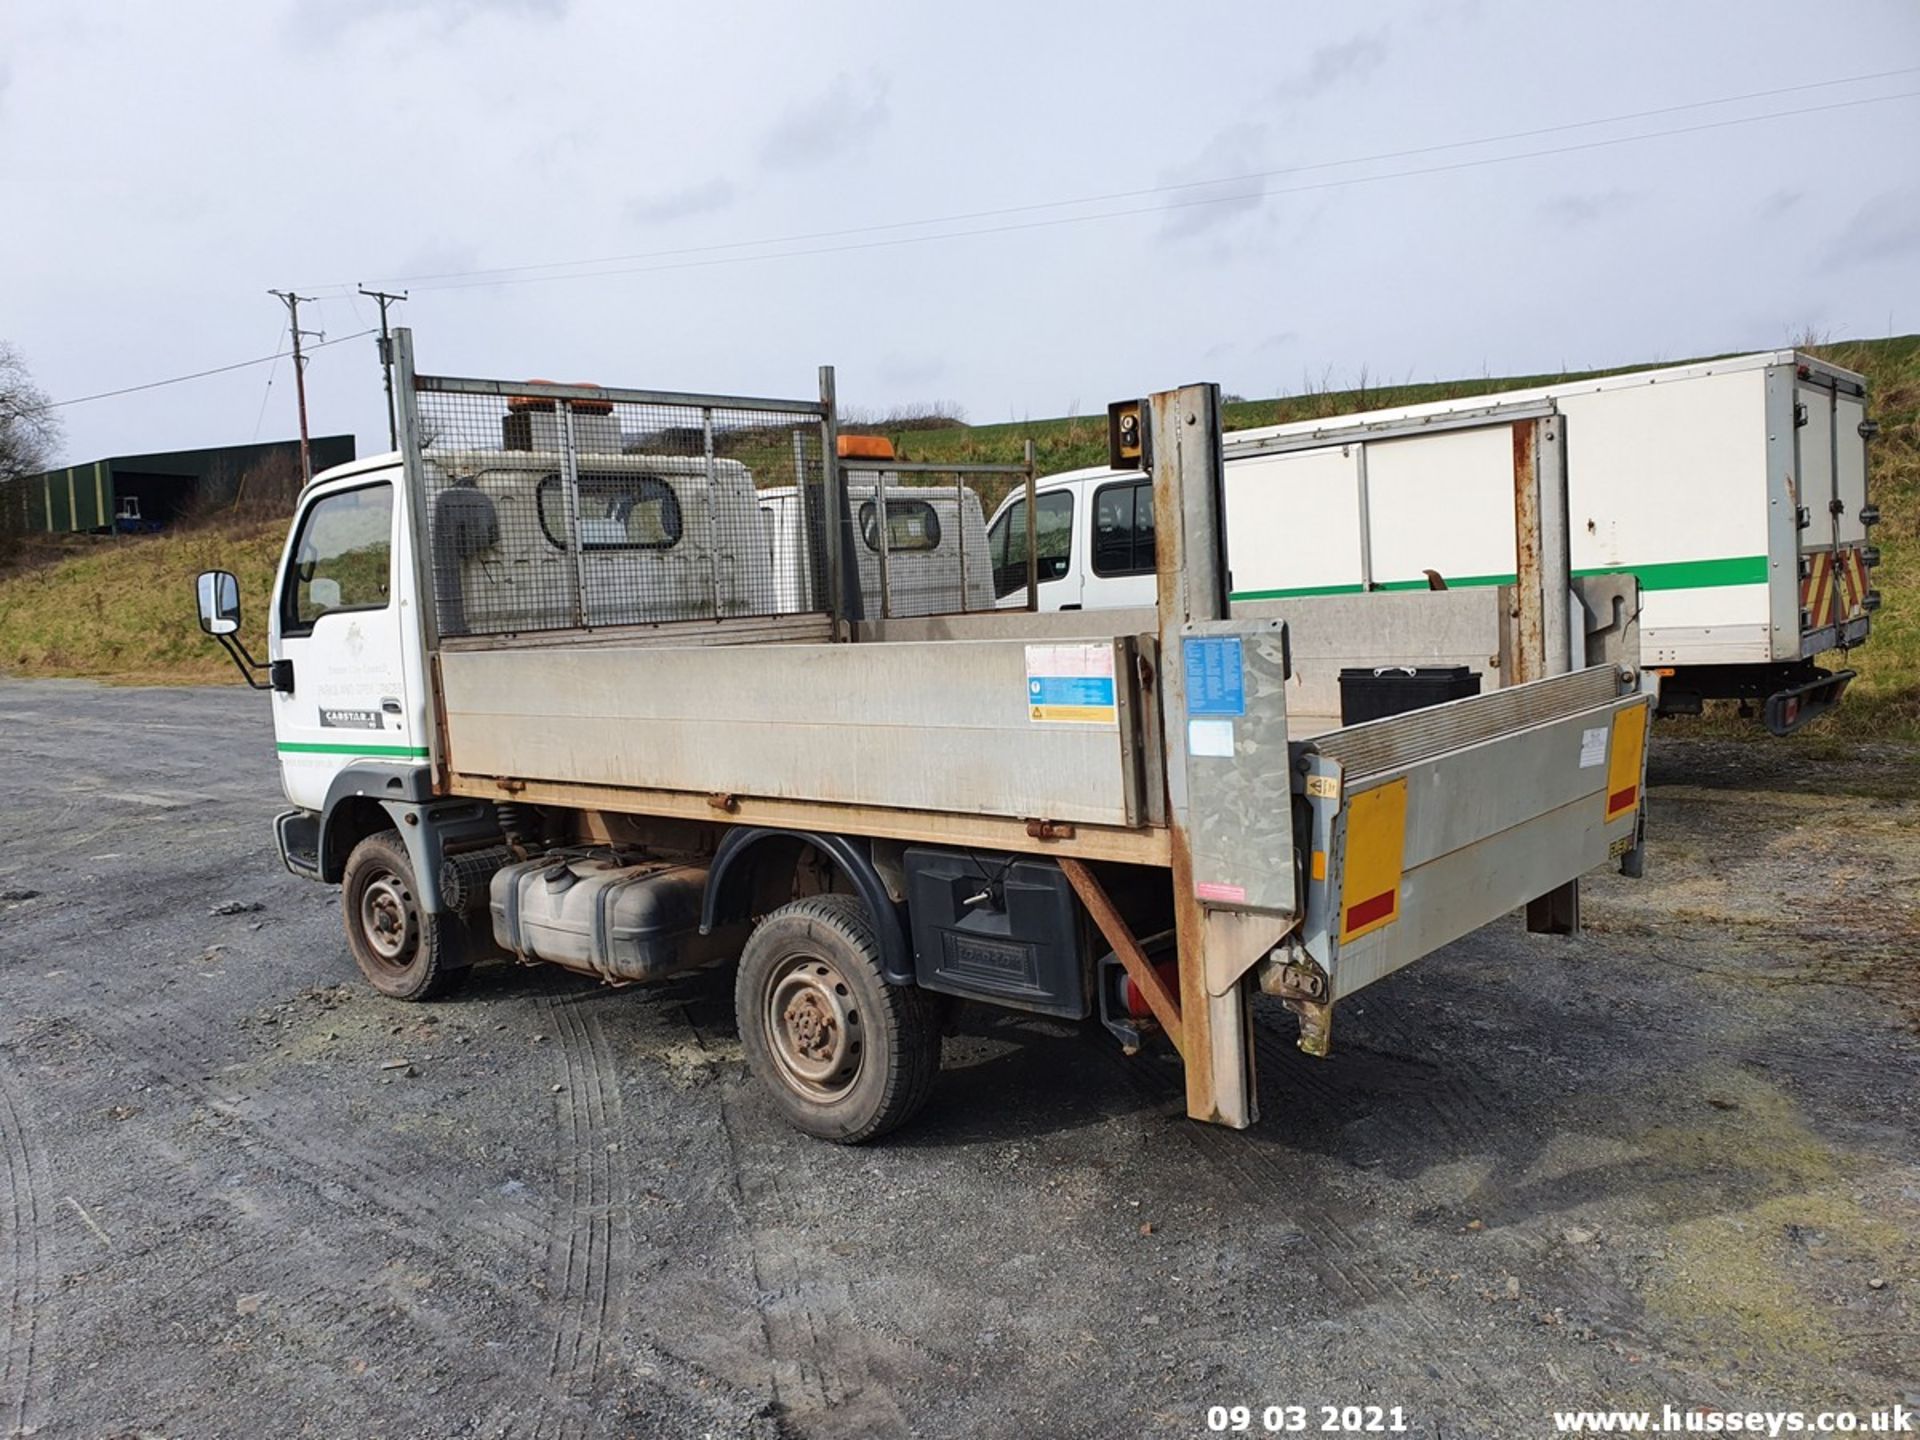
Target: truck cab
column 1093, row 533
column 348, row 679
column 651, row 538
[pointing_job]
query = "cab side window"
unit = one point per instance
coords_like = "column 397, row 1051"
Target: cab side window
column 342, row 558
column 1053, row 537
column 1123, row 528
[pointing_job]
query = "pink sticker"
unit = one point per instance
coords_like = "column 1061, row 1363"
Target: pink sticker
column 1225, row 894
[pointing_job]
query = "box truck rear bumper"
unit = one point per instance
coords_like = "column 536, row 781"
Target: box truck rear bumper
column 1790, row 695
column 1788, row 709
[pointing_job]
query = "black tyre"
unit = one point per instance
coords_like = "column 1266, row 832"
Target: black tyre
column 846, row 1056
column 404, row 952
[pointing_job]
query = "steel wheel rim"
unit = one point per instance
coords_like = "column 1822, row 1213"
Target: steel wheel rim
column 813, row 1028
column 389, row 921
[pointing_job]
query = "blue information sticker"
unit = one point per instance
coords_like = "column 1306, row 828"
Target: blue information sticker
column 1216, row 675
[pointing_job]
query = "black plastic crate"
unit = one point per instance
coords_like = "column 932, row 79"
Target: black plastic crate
column 1395, row 689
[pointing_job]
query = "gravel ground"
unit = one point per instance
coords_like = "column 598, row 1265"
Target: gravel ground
column 1673, row 1160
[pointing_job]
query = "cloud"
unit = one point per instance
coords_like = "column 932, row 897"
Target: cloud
column 1780, row 202
column 1237, row 150
column 1577, row 211
column 435, row 258
column 702, row 199
column 322, row 19
column 897, row 369
column 829, row 126
column 1330, row 65
column 1887, row 227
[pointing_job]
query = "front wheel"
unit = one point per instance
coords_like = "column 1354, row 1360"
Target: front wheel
column 846, row 1056
column 405, row 953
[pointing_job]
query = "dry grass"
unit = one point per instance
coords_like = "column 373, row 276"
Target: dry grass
column 123, row 608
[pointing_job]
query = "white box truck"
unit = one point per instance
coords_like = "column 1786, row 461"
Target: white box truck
column 1734, row 490
column 535, row 694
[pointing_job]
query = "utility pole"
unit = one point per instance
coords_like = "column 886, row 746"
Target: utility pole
column 292, row 302
column 386, row 357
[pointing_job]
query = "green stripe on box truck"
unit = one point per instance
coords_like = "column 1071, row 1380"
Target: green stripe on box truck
column 1692, row 574
column 1673, row 575
column 302, row 747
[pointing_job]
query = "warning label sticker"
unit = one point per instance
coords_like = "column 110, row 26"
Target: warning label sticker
column 1071, row 685
column 1593, row 747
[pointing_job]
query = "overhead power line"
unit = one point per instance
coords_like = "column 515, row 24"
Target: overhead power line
column 526, row 273
column 199, row 374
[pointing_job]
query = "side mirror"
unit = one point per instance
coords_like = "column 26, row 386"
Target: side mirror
column 219, row 596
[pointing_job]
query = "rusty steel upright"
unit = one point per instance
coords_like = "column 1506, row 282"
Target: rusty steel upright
column 1542, row 600
column 1183, row 455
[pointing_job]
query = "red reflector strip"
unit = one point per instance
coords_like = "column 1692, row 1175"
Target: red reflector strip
column 1370, row 910
column 1622, row 799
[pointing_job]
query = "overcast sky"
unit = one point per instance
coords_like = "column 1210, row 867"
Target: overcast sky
column 162, row 165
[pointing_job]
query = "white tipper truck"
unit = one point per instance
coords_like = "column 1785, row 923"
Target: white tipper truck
column 1734, row 490
column 535, row 694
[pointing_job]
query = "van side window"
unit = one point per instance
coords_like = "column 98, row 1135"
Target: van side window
column 911, row 525
column 617, row 512
column 1053, row 535
column 342, row 558
column 1123, row 528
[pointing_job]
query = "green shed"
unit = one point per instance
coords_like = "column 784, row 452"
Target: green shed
column 149, row 492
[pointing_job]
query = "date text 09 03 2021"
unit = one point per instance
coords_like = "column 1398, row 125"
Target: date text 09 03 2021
column 1307, row 1419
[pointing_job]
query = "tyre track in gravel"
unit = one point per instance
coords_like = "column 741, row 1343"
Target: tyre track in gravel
column 311, row 1284
column 357, row 1313
column 1458, row 1101
column 1343, row 1259
column 819, row 1370
column 590, row 1247
column 432, row 1212
column 28, row 1204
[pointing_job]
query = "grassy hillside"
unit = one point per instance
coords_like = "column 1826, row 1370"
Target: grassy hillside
column 123, row 609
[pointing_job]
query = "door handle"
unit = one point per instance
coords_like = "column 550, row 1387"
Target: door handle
column 1070, row 607
column 390, row 705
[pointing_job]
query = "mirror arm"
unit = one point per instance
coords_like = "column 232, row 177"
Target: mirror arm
column 237, row 648
column 242, row 661
column 279, row 672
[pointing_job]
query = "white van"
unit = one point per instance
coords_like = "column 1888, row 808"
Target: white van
column 936, row 538
column 1093, row 540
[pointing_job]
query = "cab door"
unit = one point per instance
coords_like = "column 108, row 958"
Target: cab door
column 1058, row 566
column 337, row 619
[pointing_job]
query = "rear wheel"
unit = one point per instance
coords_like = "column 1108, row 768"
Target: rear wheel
column 846, row 1056
column 404, row 952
